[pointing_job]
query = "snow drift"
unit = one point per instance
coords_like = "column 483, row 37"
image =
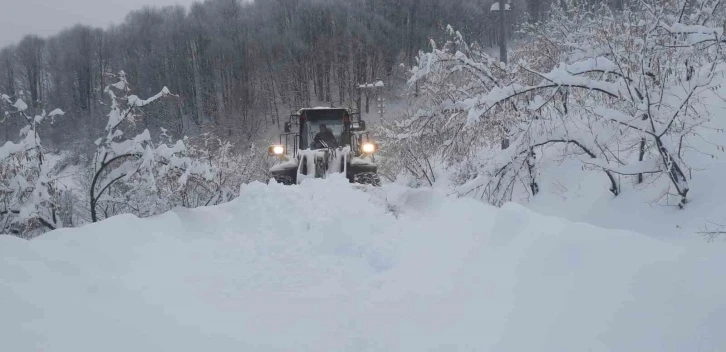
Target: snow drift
column 327, row 266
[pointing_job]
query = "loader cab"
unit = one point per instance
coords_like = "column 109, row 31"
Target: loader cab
column 338, row 121
column 346, row 127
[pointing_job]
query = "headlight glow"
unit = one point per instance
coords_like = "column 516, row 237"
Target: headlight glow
column 276, row 150
column 368, row 148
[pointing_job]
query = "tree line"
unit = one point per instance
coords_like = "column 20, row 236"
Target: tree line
column 236, row 66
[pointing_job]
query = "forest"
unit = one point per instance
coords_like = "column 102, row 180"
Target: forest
column 236, row 66
column 175, row 106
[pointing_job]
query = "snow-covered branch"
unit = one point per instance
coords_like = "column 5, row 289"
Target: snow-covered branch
column 136, row 162
column 28, row 198
column 136, row 174
column 605, row 82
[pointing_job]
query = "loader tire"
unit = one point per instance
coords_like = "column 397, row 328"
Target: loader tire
column 368, row 178
column 284, row 179
column 321, row 167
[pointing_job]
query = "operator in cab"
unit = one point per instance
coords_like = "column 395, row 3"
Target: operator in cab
column 325, row 138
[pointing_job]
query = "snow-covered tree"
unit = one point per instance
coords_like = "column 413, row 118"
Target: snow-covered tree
column 146, row 176
column 28, row 193
column 130, row 174
column 620, row 92
column 434, row 131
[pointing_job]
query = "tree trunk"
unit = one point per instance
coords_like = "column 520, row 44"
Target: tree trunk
column 640, row 157
column 219, row 95
column 198, row 102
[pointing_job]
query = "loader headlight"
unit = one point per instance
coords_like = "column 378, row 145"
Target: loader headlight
column 276, row 150
column 368, row 148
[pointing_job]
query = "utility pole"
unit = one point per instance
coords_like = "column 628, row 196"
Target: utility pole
column 376, row 88
column 502, row 33
column 502, row 28
column 497, row 6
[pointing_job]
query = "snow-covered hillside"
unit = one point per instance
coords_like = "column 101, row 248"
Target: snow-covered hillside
column 327, row 266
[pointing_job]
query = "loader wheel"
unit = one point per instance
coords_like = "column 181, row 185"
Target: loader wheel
column 320, row 168
column 284, row 179
column 368, row 178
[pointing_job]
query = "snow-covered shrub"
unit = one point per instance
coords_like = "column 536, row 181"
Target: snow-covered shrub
column 621, row 92
column 145, row 177
column 131, row 174
column 230, row 168
column 400, row 154
column 28, row 194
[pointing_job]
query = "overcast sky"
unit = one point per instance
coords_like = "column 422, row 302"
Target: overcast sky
column 47, row 17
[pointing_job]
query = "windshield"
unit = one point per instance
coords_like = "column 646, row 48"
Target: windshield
column 333, row 121
column 312, row 129
column 325, row 115
column 336, row 126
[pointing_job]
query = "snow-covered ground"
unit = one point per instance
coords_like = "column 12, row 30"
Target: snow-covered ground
column 327, row 266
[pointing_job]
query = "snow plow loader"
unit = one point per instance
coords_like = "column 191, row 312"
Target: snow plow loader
column 321, row 141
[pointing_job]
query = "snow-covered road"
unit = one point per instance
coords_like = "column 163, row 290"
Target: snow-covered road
column 326, row 266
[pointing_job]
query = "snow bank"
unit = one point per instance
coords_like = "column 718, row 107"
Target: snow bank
column 328, row 266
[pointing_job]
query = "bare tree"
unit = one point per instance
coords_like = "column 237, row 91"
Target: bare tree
column 30, row 56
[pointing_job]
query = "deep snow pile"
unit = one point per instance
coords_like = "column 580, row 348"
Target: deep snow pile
column 327, row 266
